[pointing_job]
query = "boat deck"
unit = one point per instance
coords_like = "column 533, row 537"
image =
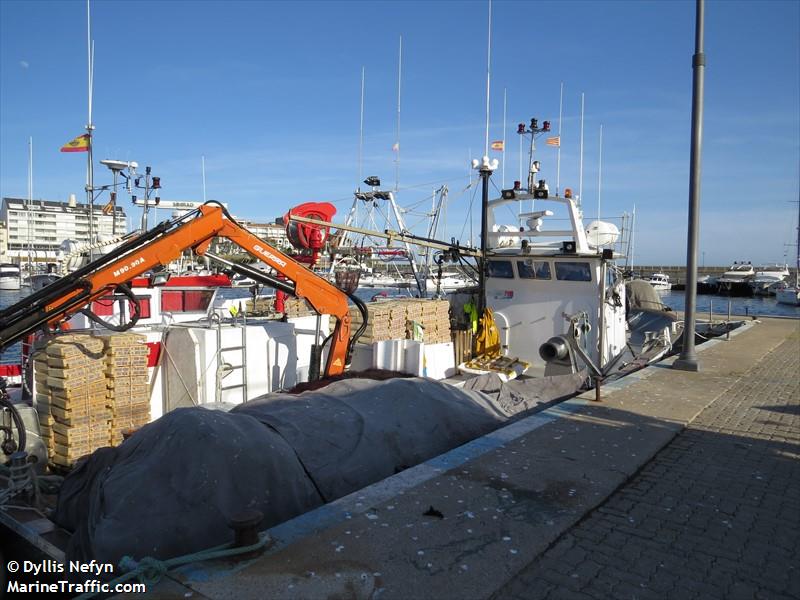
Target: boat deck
column 558, row 502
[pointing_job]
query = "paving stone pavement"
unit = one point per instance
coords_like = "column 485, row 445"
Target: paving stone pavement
column 714, row 514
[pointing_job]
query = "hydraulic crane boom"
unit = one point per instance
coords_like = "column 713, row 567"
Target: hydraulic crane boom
column 158, row 247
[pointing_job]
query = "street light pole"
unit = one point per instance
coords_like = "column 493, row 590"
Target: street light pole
column 688, row 358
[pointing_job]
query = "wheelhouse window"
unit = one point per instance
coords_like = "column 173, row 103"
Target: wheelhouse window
column 104, row 307
column 533, row 269
column 573, row 271
column 186, row 300
column 502, row 269
column 144, row 307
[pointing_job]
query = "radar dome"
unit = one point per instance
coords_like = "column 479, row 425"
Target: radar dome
column 602, row 233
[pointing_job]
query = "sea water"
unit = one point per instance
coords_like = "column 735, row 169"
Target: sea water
column 756, row 306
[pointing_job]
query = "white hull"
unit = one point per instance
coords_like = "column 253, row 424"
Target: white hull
column 660, row 282
column 10, row 282
column 790, row 296
column 451, row 284
column 765, row 288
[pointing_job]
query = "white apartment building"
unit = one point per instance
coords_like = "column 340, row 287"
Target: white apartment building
column 272, row 233
column 37, row 228
column 3, row 241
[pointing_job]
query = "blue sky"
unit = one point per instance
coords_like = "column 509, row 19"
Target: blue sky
column 269, row 93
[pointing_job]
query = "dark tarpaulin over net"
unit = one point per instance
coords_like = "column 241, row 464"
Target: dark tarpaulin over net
column 171, row 488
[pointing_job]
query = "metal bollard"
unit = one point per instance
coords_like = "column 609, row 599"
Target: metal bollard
column 711, row 312
column 245, row 529
column 597, row 394
column 728, row 324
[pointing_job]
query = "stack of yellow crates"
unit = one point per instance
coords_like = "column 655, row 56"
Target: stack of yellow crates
column 127, row 379
column 386, row 321
column 436, row 320
column 297, row 307
column 71, row 398
column 43, row 402
column 394, row 319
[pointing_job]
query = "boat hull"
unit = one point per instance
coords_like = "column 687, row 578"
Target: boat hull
column 790, row 296
column 735, row 288
column 10, row 283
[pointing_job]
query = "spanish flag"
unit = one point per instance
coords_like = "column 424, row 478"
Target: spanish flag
column 553, row 141
column 79, row 144
column 497, row 145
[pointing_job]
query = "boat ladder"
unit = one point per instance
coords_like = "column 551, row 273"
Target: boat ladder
column 226, row 356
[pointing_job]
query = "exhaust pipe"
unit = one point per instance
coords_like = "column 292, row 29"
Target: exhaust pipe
column 556, row 348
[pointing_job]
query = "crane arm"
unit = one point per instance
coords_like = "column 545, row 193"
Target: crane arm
column 157, row 248
column 323, row 296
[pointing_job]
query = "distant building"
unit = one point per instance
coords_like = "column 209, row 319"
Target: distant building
column 37, row 228
column 3, row 242
column 272, row 233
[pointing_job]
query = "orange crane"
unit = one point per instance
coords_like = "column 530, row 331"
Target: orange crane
column 157, row 247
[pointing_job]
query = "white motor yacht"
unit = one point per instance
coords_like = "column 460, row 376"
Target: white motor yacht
column 660, row 282
column 736, row 280
column 767, row 279
column 10, row 277
column 449, row 282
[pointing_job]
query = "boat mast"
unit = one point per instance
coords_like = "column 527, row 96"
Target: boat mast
column 353, row 214
column 488, row 80
column 485, row 168
column 558, row 158
column 203, row 167
column 361, row 130
column 580, row 173
column 505, row 98
column 600, row 172
column 797, row 264
column 396, row 146
column 632, row 237
column 30, row 201
column 89, row 129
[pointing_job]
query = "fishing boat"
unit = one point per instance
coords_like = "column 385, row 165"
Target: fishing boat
column 552, row 306
column 557, row 303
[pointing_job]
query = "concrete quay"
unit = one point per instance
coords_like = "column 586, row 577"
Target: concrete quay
column 676, row 485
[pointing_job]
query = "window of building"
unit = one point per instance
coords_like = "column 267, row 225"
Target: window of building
column 533, row 269
column 573, row 271
column 501, row 269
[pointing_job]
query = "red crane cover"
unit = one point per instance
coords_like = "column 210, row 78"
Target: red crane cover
column 305, row 236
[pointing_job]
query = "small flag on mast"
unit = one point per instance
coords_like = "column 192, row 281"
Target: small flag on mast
column 108, row 208
column 553, row 141
column 79, row 144
column 396, row 146
column 498, row 146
